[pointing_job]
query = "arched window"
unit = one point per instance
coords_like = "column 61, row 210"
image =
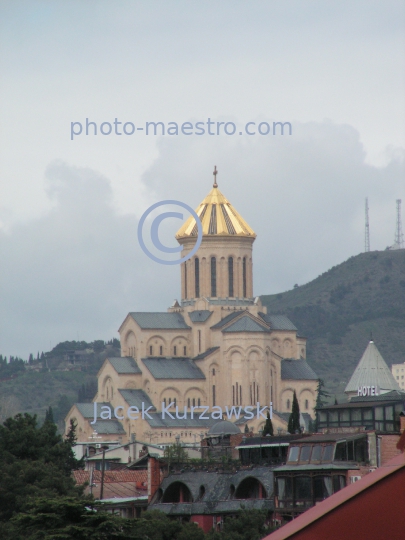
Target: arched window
column 199, row 402
column 197, row 277
column 213, row 276
column 306, row 404
column 188, row 403
column 185, row 350
column 213, row 395
column 175, row 351
column 151, row 350
column 230, row 276
column 244, row 277
column 161, row 350
column 288, row 404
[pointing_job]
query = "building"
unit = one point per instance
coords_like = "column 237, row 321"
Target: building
column 216, row 348
column 370, row 508
column 372, row 376
column 398, row 372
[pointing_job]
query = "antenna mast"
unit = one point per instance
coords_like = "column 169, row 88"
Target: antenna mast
column 367, row 231
column 399, row 235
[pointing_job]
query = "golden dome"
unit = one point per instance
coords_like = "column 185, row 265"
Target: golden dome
column 218, row 217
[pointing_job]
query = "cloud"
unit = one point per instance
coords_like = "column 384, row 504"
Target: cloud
column 78, row 270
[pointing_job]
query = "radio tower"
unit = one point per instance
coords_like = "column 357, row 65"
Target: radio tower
column 399, row 235
column 367, row 231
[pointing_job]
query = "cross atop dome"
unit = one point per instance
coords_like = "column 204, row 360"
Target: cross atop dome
column 215, row 185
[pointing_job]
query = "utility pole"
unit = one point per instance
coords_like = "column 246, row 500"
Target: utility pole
column 399, row 235
column 367, row 231
column 102, row 476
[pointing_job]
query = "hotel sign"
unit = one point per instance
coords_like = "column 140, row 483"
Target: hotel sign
column 368, row 391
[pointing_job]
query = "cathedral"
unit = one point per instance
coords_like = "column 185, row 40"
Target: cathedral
column 215, row 349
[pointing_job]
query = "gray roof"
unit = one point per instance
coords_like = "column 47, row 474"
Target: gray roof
column 246, row 324
column 124, row 364
column 200, row 316
column 372, row 371
column 159, row 320
column 172, row 423
column 321, row 467
column 135, row 398
column 108, row 427
column 224, row 427
column 173, row 368
column 87, row 409
column 231, row 301
column 393, row 395
column 297, row 370
column 205, row 353
column 278, row 322
column 228, row 319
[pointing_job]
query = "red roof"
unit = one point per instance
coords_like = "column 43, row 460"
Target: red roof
column 344, row 495
column 123, row 483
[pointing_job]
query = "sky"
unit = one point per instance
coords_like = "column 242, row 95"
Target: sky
column 71, row 265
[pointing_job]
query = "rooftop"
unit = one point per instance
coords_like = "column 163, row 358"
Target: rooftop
column 297, row 370
column 173, row 368
column 159, row 320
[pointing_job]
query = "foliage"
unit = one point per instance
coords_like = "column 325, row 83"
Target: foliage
column 34, row 462
column 247, row 525
column 175, row 453
column 294, row 425
column 268, row 426
column 10, row 367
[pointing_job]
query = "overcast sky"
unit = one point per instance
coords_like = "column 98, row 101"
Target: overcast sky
column 71, row 267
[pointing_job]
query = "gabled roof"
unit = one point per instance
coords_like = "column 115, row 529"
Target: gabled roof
column 159, row 320
column 135, row 398
column 278, row 322
column 200, row 316
column 173, row 368
column 227, row 319
column 87, row 409
column 297, row 370
column 124, row 364
column 205, row 353
column 246, row 324
column 372, row 371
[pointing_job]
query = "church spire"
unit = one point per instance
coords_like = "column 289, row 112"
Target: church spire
column 215, row 185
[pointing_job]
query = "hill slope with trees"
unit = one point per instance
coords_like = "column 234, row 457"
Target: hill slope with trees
column 342, row 308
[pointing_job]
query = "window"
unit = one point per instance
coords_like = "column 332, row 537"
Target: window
column 164, row 401
column 199, row 404
column 306, row 404
column 213, row 276
column 305, row 453
column 294, row 453
column 199, row 340
column 175, row 402
column 316, row 453
column 230, row 276
column 327, row 452
column 193, row 402
column 161, row 350
column 151, row 350
column 288, row 404
column 185, row 351
column 233, row 395
column 175, row 350
column 188, row 403
column 244, row 277
column 213, row 371
column 197, row 277
column 213, row 395
column 240, row 395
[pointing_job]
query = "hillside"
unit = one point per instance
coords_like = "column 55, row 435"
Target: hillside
column 339, row 310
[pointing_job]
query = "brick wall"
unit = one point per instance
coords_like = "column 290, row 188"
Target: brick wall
column 388, row 445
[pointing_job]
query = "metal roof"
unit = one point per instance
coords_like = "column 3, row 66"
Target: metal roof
column 87, row 409
column 297, row 370
column 159, row 320
column 278, row 322
column 246, row 324
column 108, row 427
column 372, row 371
column 228, row 319
column 135, row 398
column 394, row 395
column 218, row 217
column 173, row 368
column 171, row 423
column 200, row 316
column 205, row 353
column 231, row 301
column 330, row 437
column 124, row 364
column 223, row 427
column 322, row 467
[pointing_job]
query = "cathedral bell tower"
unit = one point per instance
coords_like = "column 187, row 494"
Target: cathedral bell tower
column 222, row 266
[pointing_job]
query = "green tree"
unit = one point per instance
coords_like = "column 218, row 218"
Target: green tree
column 246, row 428
column 49, row 415
column 175, row 453
column 294, row 420
column 268, row 426
column 247, row 525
